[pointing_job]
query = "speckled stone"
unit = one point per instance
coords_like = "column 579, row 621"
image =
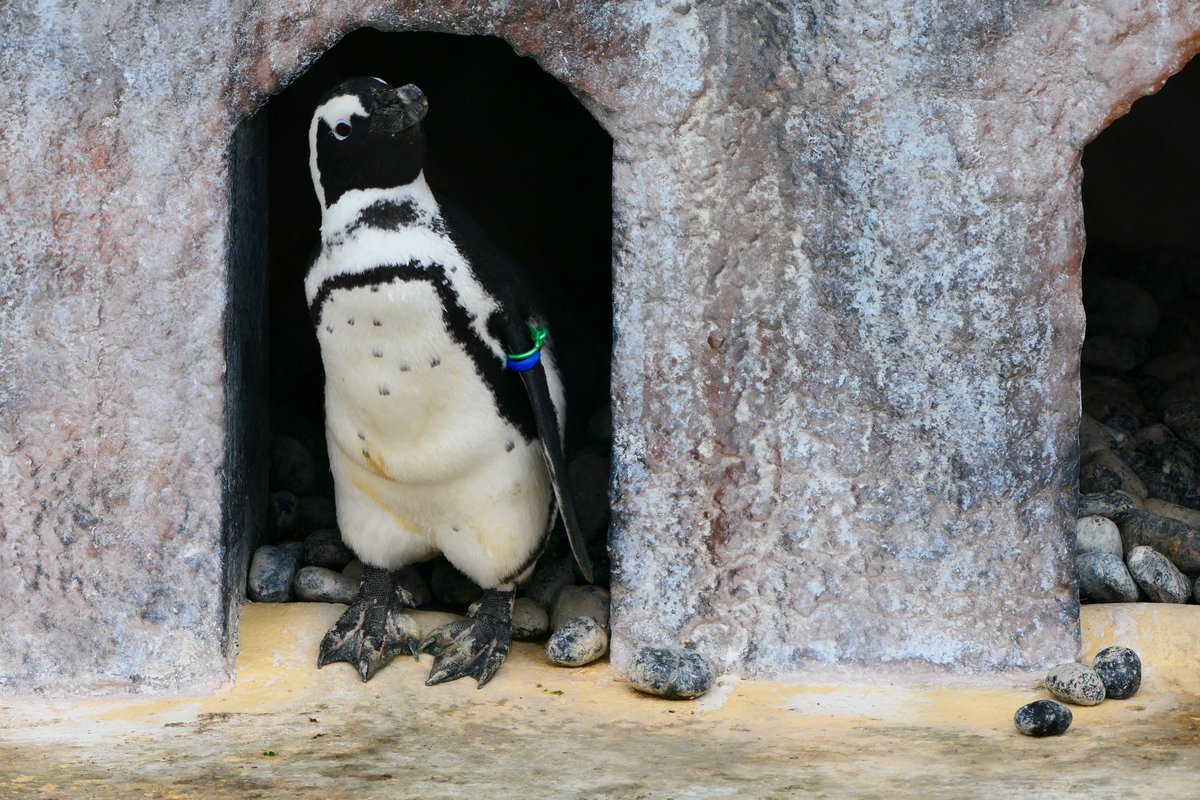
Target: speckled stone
column 579, row 641
column 324, row 548
column 1075, row 683
column 1097, row 535
column 1094, row 436
column 579, row 601
column 451, row 587
column 1121, row 671
column 1104, row 578
column 292, row 466
column 1157, row 576
column 1043, row 718
column 1113, row 505
column 1179, row 541
column 322, row 585
column 670, row 672
column 1104, row 471
column 272, row 570
column 529, row 621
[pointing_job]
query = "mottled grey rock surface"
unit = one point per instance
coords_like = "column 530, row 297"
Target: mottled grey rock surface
column 579, row 601
column 830, row 422
column 1120, row 670
column 1075, row 683
column 322, row 585
column 670, row 672
column 1157, row 576
column 1178, row 540
column 1043, row 718
column 1098, row 535
column 577, row 642
column 1104, row 578
column 272, row 570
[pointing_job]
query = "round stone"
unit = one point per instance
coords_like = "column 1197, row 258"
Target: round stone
column 1103, row 578
column 1097, row 535
column 322, row 585
column 580, row 641
column 1043, row 718
column 1075, row 683
column 1157, row 576
column 324, row 548
column 530, row 623
column 579, row 601
column 272, row 570
column 670, row 672
column 1121, row 671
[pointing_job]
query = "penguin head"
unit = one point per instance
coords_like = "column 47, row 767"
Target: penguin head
column 366, row 135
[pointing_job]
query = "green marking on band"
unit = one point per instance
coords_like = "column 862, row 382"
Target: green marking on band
column 539, row 337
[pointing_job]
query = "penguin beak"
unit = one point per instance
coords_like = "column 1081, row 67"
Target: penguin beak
column 402, row 108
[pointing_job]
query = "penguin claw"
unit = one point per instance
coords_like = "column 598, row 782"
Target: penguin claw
column 475, row 646
column 371, row 632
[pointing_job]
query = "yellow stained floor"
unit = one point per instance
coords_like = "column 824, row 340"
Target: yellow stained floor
column 286, row 730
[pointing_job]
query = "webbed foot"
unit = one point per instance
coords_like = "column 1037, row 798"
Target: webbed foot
column 475, row 646
column 375, row 628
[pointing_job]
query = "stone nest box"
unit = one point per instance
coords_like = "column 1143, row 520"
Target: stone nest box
column 846, row 313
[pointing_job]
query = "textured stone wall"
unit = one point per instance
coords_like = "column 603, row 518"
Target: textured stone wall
column 847, row 314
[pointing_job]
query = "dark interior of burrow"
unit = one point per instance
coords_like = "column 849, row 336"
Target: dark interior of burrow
column 514, row 148
column 1140, row 364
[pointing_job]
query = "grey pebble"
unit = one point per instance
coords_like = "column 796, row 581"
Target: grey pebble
column 1104, row 471
column 316, row 513
column 1121, row 671
column 323, row 585
column 670, row 672
column 1043, row 718
column 324, row 548
column 1114, row 505
column 450, row 586
column 292, row 466
column 548, row 580
column 1157, row 576
column 579, row 601
column 530, row 622
column 272, row 570
column 1095, row 534
column 1104, row 578
column 1075, row 683
column 580, row 641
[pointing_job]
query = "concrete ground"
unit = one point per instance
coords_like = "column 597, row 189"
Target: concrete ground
column 286, row 730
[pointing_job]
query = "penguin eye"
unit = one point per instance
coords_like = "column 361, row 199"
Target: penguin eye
column 342, row 129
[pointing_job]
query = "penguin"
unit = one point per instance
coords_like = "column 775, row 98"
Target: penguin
column 444, row 404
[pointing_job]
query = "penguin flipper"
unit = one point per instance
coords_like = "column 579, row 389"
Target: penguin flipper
column 538, row 388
